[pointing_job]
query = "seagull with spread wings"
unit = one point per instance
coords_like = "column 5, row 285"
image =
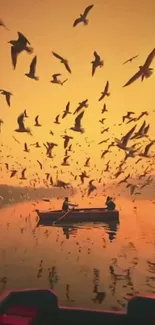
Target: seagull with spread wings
column 62, row 60
column 81, row 105
column 65, row 162
column 66, row 111
column 131, row 59
column 105, row 92
column 144, row 70
column 77, row 125
column 18, row 46
column 122, row 144
column 22, row 128
column 7, row 95
column 66, row 140
column 83, row 17
column 55, row 79
column 36, row 121
column 32, row 70
column 96, row 63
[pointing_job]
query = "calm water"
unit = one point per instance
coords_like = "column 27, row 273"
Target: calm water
column 90, row 265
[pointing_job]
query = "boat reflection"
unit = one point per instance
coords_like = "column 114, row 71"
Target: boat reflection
column 110, row 227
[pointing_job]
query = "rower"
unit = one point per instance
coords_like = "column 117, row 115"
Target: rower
column 66, row 204
column 110, row 203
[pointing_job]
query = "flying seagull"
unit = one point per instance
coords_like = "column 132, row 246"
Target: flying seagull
column 57, row 119
column 7, row 95
column 2, row 24
column 131, row 59
column 105, row 92
column 65, row 162
column 55, row 79
column 18, row 46
column 83, row 17
column 21, row 125
column 66, row 140
column 23, row 174
column 36, row 121
column 66, row 111
column 77, row 124
column 127, row 116
column 96, row 63
column 62, row 60
column 144, row 70
column 122, row 144
column 32, row 70
column 81, row 105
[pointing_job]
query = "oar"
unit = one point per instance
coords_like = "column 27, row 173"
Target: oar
column 64, row 215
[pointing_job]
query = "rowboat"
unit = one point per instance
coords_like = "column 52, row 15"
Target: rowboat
column 40, row 306
column 79, row 215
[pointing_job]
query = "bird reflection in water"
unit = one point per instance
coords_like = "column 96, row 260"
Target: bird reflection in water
column 112, row 228
column 69, row 230
column 52, row 277
column 99, row 295
column 67, row 292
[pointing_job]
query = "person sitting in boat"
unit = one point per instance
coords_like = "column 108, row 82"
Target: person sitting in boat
column 110, row 203
column 66, row 205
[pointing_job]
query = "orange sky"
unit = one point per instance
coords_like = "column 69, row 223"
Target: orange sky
column 117, row 31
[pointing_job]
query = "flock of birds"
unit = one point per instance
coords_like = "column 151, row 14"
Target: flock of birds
column 130, row 150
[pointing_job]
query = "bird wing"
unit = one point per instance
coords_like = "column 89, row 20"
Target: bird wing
column 57, row 56
column 126, row 61
column 87, row 10
column 36, row 119
column 23, row 172
column 149, row 59
column 78, row 120
column 33, row 65
column 7, row 96
column 77, row 21
column 66, row 143
column 142, row 127
column 102, row 96
column 14, row 54
column 65, row 159
column 97, row 57
column 67, row 106
column 93, row 69
column 106, row 87
column 64, row 114
column 127, row 136
column 134, row 78
column 148, row 147
column 56, row 75
column 146, row 129
column 68, row 67
column 20, row 121
column 22, row 38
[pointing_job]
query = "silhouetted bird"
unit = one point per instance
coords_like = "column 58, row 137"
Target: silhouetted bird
column 32, row 70
column 82, row 18
column 62, row 60
column 19, row 46
column 144, row 70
